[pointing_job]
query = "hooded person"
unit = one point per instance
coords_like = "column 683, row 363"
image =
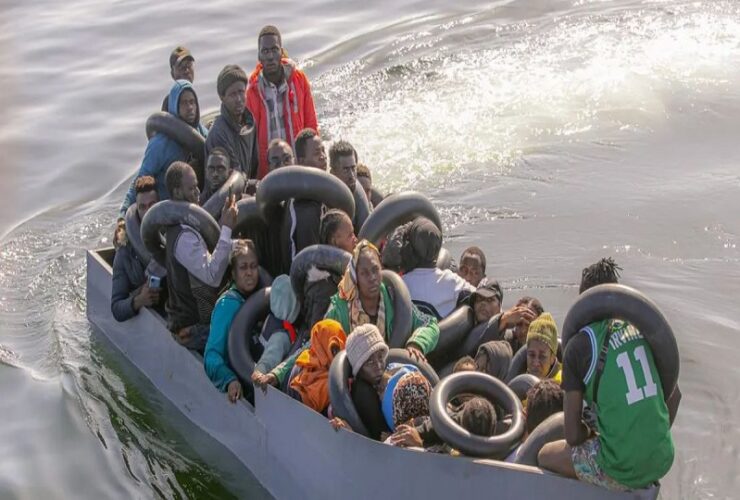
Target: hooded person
column 434, row 291
column 363, row 298
column 542, row 348
column 279, row 331
column 162, row 151
column 494, row 358
column 311, row 383
column 234, row 129
column 278, row 96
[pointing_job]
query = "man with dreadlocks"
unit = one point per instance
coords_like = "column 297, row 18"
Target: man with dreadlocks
column 610, row 360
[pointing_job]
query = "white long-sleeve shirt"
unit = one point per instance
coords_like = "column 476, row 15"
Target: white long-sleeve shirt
column 192, row 252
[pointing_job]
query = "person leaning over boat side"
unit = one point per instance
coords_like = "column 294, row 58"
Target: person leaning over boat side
column 279, row 154
column 182, row 67
column 161, row 150
column 310, row 384
column 363, row 298
column 309, row 149
column 365, row 178
column 473, row 266
column 278, row 96
column 130, row 290
column 194, row 275
column 245, row 281
column 434, row 291
column 628, row 445
column 335, row 230
column 542, row 348
column 234, row 129
column 218, row 171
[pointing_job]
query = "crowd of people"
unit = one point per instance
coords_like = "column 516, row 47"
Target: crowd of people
column 268, row 121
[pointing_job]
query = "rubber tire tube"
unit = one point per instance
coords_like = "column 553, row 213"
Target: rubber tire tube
column 551, row 429
column 494, row 390
column 523, row 383
column 234, row 184
column 376, row 197
column 362, row 208
column 323, row 257
column 453, row 330
column 613, row 301
column 342, row 405
column 169, row 213
column 480, row 334
column 303, row 183
column 182, row 133
column 403, row 356
column 133, row 235
column 395, row 210
column 403, row 310
column 518, row 365
column 254, row 309
column 444, row 259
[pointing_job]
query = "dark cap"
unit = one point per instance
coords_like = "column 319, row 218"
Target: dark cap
column 488, row 290
column 179, row 54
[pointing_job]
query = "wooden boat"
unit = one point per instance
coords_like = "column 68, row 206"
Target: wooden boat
column 292, row 450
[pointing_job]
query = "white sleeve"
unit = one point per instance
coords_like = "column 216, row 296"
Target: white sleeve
column 191, row 251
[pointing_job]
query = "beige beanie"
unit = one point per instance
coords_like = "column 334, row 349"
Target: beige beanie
column 363, row 342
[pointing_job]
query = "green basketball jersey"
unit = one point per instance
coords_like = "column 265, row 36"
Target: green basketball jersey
column 632, row 417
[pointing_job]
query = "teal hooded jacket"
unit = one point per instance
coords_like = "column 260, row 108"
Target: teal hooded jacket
column 161, row 151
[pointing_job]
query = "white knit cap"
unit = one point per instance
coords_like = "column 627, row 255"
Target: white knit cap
column 363, row 342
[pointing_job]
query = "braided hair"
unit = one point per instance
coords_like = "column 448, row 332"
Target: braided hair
column 604, row 271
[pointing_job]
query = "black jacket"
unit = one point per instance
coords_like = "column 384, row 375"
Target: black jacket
column 240, row 142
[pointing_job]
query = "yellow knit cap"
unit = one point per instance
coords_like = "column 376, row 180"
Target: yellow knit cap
column 545, row 330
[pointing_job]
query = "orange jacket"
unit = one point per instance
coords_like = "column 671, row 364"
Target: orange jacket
column 312, row 382
column 301, row 113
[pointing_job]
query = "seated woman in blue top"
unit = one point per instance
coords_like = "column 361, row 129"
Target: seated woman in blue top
column 246, row 280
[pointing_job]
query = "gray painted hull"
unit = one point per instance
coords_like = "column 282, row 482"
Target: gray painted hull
column 292, row 450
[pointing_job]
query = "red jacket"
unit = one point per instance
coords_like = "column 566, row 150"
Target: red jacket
column 301, row 113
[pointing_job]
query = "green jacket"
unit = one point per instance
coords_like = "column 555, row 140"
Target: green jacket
column 425, row 328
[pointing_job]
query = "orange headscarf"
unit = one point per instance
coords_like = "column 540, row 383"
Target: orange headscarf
column 312, row 383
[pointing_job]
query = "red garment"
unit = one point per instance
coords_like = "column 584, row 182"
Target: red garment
column 301, row 110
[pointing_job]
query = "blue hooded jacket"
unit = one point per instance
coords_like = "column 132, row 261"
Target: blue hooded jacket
column 161, row 151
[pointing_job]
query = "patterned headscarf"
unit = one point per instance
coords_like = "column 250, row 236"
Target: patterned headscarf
column 349, row 291
column 411, row 398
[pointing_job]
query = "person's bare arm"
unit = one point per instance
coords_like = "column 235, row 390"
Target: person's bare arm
column 576, row 432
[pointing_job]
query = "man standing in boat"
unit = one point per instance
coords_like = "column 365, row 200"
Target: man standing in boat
column 194, row 275
column 278, row 96
column 234, row 129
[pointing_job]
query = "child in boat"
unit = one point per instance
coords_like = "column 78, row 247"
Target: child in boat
column 279, row 331
column 245, row 281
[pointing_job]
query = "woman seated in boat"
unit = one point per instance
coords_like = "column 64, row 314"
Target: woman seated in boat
column 364, row 299
column 542, row 348
column 245, row 281
column 310, row 379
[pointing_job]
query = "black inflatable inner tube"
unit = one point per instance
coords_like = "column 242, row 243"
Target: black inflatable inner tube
column 182, row 133
column 342, row 405
column 241, row 331
column 452, row 333
column 403, row 319
column 551, row 429
column 480, row 334
column 340, row 372
column 395, row 210
column 303, row 183
column 133, row 234
column 484, row 385
column 444, row 259
column 234, row 185
column 248, row 216
column 169, row 213
column 614, row 301
column 322, row 257
column 362, row 207
column 376, row 197
column 523, row 383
